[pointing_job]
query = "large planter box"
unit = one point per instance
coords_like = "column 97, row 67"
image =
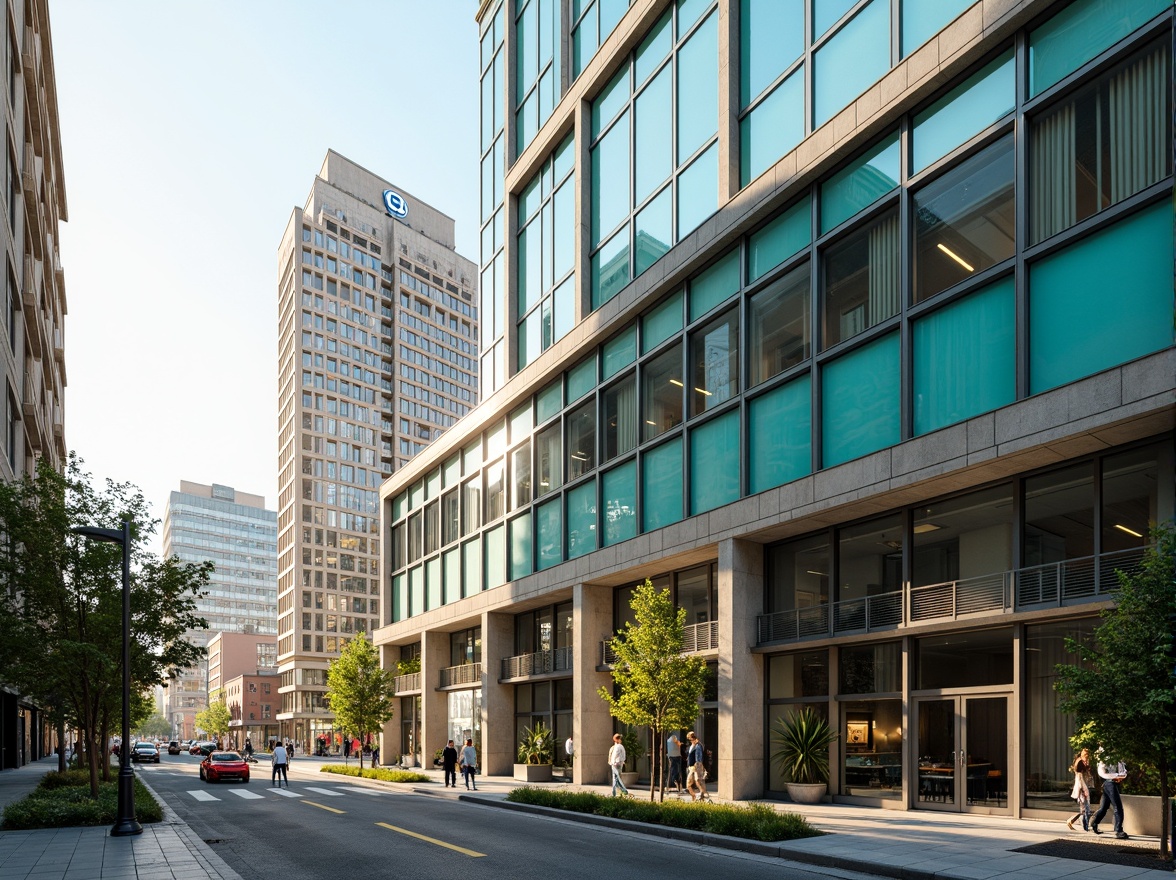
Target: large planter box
column 1141, row 816
column 532, row 772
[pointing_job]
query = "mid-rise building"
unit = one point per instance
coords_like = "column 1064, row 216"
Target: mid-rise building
column 243, row 668
column 869, row 360
column 378, row 356
column 234, row 531
column 33, row 321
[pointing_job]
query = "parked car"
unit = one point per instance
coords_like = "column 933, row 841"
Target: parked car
column 224, row 765
column 173, row 747
column 145, row 752
column 202, row 748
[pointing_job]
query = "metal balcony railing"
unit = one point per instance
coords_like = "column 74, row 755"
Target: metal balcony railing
column 407, row 683
column 523, row 665
column 467, row 673
column 696, row 638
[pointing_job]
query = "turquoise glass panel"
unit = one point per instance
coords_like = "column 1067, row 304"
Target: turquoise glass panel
column 564, row 219
column 611, row 12
column 399, row 599
column 548, row 402
column 582, row 519
column 965, row 111
column 698, row 89
column 530, row 338
column 565, row 157
column 779, row 435
column 662, row 323
column 653, row 152
column 549, row 534
column 610, row 268
column 565, row 309
column 827, row 13
column 698, row 191
column 714, row 463
column 714, row 285
column 451, row 562
column 399, row 506
column 609, row 103
column 610, row 179
column 433, row 583
column 527, row 58
column 661, row 485
column 855, row 57
column 620, row 351
column 494, row 545
column 1081, row 31
column 520, row 546
column 653, row 228
column 619, row 502
column 471, row 557
column 530, row 254
column 771, row 37
column 860, row 402
column 923, row 19
column 1103, row 301
column 530, row 200
column 861, row 184
column 965, row 358
column 653, row 50
column 688, row 13
column 416, row 601
column 581, row 379
column 772, row 129
column 585, row 41
column 779, row 240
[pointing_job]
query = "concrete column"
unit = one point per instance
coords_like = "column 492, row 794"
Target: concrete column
column 391, row 748
column 741, row 673
column 592, row 726
column 498, row 739
column 434, row 703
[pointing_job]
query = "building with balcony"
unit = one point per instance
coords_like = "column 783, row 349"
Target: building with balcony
column 32, row 354
column 377, row 357
column 869, row 360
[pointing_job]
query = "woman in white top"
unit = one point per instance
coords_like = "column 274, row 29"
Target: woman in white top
column 1081, row 791
column 469, row 764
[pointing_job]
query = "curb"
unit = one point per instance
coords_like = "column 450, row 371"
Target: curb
column 215, row 865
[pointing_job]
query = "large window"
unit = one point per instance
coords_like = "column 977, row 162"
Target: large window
column 620, row 417
column 661, row 393
column 714, row 363
column 861, row 287
column 778, row 325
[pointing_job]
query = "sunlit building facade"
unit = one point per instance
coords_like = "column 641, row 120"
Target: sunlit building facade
column 860, row 343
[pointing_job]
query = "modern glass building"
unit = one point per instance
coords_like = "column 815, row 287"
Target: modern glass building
column 860, row 342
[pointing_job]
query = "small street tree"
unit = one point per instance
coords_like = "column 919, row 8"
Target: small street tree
column 214, row 720
column 154, row 727
column 657, row 686
column 359, row 691
column 1122, row 691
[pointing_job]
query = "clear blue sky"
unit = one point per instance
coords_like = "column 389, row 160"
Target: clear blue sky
column 190, row 130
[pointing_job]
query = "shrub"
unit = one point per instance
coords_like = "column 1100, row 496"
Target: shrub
column 381, row 773
column 752, row 821
column 63, row 801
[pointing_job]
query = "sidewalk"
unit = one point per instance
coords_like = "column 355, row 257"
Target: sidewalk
column 907, row 845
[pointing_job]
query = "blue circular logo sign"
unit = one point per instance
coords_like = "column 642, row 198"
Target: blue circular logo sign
column 395, row 204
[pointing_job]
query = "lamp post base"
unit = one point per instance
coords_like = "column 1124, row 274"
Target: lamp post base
column 126, row 824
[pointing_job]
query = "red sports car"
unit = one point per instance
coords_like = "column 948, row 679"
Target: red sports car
column 224, row 765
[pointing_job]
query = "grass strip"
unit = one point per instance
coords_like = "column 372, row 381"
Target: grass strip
column 380, row 773
column 62, row 800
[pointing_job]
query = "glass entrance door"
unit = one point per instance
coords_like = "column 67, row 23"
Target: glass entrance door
column 963, row 747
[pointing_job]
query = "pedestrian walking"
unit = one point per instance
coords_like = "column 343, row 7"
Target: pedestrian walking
column 281, row 762
column 696, row 768
column 449, row 764
column 1112, row 776
column 674, row 758
column 469, row 765
column 1081, row 791
column 616, row 760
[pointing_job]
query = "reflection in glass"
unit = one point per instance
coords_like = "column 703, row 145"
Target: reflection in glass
column 661, row 393
column 620, row 418
column 495, row 495
column 520, row 463
column 714, row 363
column 778, row 325
column 548, row 461
column 581, row 428
column 861, row 280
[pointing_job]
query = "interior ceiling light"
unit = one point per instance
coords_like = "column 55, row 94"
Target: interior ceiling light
column 1131, row 532
column 924, row 528
column 703, row 391
column 675, row 382
column 954, row 256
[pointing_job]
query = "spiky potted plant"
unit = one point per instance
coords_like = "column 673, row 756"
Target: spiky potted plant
column 801, row 751
column 536, row 752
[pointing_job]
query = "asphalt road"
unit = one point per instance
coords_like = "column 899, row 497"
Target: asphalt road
column 325, row 828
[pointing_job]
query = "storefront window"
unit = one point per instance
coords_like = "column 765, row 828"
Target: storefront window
column 871, row 748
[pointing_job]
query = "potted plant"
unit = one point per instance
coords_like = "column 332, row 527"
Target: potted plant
column 536, row 752
column 634, row 752
column 801, row 751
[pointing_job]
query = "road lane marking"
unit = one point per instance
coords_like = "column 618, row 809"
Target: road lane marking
column 248, row 795
column 360, row 790
column 201, row 795
column 323, row 807
column 433, row 840
column 284, row 792
column 328, row 792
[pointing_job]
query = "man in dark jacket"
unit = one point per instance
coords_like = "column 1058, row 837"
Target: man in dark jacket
column 449, row 764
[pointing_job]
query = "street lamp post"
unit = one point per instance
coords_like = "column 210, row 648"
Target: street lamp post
column 126, row 823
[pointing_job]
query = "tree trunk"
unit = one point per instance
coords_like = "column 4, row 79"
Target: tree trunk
column 104, row 728
column 1165, row 807
column 60, row 742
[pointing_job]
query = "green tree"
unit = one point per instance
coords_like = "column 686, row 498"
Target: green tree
column 214, row 719
column 62, row 606
column 1122, row 691
column 657, row 686
column 360, row 692
column 154, row 727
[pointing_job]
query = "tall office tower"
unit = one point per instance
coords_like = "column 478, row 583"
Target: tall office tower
column 235, row 532
column 873, row 368
column 378, row 356
column 33, row 359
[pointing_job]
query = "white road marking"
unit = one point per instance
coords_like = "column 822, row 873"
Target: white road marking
column 284, row 792
column 325, row 791
column 247, row 794
column 361, row 790
column 202, row 795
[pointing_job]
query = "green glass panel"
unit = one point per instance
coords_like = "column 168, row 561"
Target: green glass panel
column 662, row 323
column 416, row 599
column 772, row 129
column 565, row 309
column 399, row 599
column 520, row 546
column 714, row 463
column 771, row 37
column 661, row 485
column 581, row 379
column 619, row 502
column 965, row 358
column 860, row 402
column 965, row 111
column 471, row 557
column 827, row 13
column 654, row 230
column 494, row 547
column 779, row 240
column 1103, row 301
column 582, row 519
column 779, row 434
column 698, row 195
column 564, row 221
column 653, row 153
column 923, row 19
column 433, row 584
column 620, row 351
column 548, row 402
column 698, row 89
column 714, row 285
column 610, row 102
column 434, row 484
column 610, row 268
column 653, row 50
column 854, row 58
column 399, row 505
column 1080, row 32
column 861, row 184
column 610, row 179
column 549, row 534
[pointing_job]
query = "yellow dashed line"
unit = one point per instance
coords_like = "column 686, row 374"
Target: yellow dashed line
column 433, row 840
column 324, row 807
